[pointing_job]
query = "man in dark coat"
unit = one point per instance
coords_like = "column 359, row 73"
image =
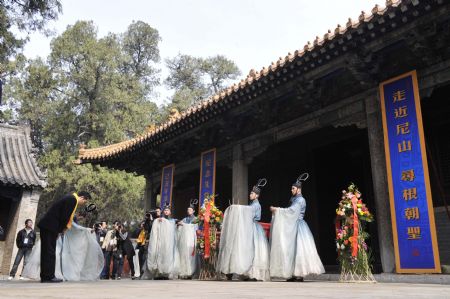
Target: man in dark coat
column 57, row 219
column 25, row 241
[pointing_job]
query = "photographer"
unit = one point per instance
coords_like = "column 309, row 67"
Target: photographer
column 100, row 230
column 150, row 216
column 117, row 253
column 127, row 248
column 143, row 236
column 109, row 246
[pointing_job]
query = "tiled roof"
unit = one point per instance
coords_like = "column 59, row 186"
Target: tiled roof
column 252, row 79
column 17, row 164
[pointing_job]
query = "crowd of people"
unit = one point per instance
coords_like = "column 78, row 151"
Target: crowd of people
column 166, row 247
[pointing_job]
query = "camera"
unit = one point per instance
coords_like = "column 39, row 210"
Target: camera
column 151, row 214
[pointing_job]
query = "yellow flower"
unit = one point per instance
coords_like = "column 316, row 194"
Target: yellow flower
column 217, row 219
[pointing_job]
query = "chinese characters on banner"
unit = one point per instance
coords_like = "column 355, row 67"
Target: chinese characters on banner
column 412, row 212
column 207, row 174
column 166, row 185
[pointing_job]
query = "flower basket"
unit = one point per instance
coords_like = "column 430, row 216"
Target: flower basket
column 353, row 252
column 209, row 222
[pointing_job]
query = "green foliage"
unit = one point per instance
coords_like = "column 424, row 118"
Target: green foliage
column 117, row 194
column 89, row 90
column 194, row 78
column 22, row 15
column 140, row 46
column 97, row 91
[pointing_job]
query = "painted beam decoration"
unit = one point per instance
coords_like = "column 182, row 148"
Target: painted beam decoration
column 207, row 174
column 166, row 185
column 412, row 212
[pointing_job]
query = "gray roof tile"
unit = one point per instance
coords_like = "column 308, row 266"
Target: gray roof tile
column 17, row 162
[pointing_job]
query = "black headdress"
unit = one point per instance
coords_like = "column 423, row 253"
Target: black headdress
column 90, row 208
column 192, row 203
column 257, row 188
column 303, row 177
column 166, row 207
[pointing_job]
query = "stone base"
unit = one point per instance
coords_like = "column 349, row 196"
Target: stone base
column 393, row 278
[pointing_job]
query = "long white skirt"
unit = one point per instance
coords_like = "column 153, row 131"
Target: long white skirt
column 186, row 240
column 78, row 256
column 260, row 264
column 307, row 260
column 243, row 248
column 292, row 248
column 283, row 238
column 162, row 259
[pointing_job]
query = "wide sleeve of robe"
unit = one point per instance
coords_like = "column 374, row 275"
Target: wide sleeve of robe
column 283, row 240
column 162, row 257
column 236, row 249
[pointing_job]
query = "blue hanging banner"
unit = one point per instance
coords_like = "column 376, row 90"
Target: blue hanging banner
column 166, row 185
column 207, row 175
column 412, row 213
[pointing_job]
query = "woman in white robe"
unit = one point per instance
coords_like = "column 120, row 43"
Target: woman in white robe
column 186, row 241
column 243, row 248
column 293, row 253
column 162, row 259
column 78, row 256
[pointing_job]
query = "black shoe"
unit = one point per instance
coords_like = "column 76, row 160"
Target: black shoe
column 229, row 276
column 53, row 280
column 295, row 279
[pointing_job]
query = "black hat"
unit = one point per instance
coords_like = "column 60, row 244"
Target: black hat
column 257, row 188
column 166, row 207
column 303, row 177
column 192, row 203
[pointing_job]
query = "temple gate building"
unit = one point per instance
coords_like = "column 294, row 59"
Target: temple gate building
column 21, row 184
column 316, row 110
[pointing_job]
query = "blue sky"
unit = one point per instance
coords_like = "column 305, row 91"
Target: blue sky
column 252, row 33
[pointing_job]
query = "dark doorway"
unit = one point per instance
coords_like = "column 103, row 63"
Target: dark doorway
column 9, row 202
column 435, row 111
column 185, row 189
column 334, row 157
column 337, row 165
column 223, row 186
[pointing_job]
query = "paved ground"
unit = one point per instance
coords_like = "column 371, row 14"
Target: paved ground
column 218, row 290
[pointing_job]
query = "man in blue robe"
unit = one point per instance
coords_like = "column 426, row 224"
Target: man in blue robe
column 293, row 253
column 244, row 249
